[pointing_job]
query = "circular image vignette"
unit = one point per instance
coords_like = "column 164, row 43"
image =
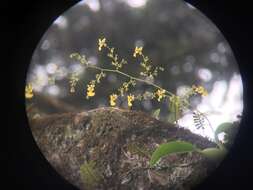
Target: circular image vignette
column 133, row 94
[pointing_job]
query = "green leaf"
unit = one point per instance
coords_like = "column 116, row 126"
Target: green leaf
column 170, row 148
column 224, row 127
column 215, row 154
column 171, row 118
column 156, row 113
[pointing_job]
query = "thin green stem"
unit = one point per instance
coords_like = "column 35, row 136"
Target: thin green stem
column 128, row 76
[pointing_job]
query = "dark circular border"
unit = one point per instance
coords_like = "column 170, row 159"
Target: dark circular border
column 26, row 23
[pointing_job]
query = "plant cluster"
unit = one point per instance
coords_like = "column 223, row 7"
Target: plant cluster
column 177, row 104
column 147, row 74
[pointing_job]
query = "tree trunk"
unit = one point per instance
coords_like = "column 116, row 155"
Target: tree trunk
column 110, row 148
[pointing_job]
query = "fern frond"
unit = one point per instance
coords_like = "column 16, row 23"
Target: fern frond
column 199, row 121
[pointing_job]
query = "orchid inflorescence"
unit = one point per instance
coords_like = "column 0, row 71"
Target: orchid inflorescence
column 147, row 75
column 177, row 104
column 148, row 71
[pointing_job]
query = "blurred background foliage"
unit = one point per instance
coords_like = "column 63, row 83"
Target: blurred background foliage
column 174, row 34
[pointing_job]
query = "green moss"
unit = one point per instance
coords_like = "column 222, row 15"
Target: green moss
column 89, row 174
column 134, row 148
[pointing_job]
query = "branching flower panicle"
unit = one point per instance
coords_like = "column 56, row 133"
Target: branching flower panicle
column 81, row 58
column 115, row 60
column 125, row 86
column 148, row 70
column 100, row 76
column 73, row 79
column 28, row 91
column 176, row 103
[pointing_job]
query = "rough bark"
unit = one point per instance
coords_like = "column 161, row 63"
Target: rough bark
column 109, row 148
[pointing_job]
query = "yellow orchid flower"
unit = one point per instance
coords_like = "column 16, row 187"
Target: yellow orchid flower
column 113, row 98
column 137, row 51
column 130, row 99
column 90, row 90
column 101, row 43
column 160, row 94
column 28, row 91
column 200, row 90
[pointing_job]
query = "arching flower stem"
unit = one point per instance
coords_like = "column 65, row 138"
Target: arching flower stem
column 128, row 76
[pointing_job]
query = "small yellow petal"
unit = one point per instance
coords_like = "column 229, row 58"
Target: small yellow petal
column 113, row 98
column 28, row 96
column 160, row 94
column 90, row 90
column 200, row 90
column 137, row 51
column 101, row 43
column 130, row 99
column 28, row 91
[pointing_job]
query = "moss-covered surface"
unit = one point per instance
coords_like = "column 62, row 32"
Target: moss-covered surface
column 120, row 142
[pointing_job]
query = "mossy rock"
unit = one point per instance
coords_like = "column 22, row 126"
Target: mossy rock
column 118, row 143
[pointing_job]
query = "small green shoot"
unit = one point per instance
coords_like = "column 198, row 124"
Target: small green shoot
column 224, row 127
column 156, row 113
